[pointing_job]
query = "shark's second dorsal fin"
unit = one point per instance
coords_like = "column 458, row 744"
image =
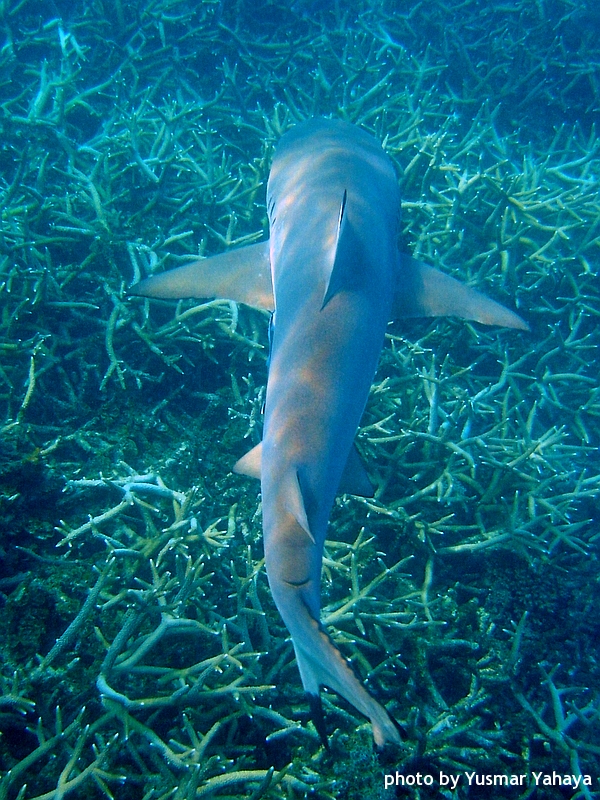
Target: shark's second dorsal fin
column 422, row 291
column 295, row 502
column 250, row 465
column 344, row 271
column 243, row 275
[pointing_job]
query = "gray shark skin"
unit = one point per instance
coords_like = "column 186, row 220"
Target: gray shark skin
column 332, row 273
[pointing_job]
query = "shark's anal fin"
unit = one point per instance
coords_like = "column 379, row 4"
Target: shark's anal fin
column 242, row 274
column 422, row 291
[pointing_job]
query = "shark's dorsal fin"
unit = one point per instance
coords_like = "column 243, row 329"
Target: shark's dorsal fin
column 250, row 464
column 354, row 479
column 243, row 275
column 344, row 273
column 422, row 291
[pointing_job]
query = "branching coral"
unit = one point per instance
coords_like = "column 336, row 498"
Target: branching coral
column 136, row 138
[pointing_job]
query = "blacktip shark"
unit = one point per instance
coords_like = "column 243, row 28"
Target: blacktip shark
column 333, row 276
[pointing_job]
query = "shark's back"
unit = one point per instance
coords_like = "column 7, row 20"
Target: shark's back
column 325, row 169
column 332, row 274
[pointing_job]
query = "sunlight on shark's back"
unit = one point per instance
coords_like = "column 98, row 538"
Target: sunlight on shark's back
column 332, row 273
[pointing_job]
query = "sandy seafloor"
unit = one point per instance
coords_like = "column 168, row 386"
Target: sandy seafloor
column 141, row 653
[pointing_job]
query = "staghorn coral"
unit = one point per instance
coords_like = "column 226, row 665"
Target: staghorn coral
column 137, row 136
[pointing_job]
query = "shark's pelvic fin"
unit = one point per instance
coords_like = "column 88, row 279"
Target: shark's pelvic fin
column 422, row 291
column 250, row 464
column 243, row 275
column 316, row 714
column 355, row 479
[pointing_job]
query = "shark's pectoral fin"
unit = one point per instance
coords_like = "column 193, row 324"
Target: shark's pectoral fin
column 422, row 291
column 243, row 275
column 250, row 464
column 354, row 479
column 345, row 272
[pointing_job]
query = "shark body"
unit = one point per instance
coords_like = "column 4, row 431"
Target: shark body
column 333, row 276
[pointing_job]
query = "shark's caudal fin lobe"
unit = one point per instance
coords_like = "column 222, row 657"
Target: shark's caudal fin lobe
column 316, row 714
column 242, row 274
column 322, row 664
column 403, row 733
column 423, row 291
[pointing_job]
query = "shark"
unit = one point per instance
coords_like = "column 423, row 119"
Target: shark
column 333, row 277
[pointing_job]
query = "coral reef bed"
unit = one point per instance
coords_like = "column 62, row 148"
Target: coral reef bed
column 141, row 654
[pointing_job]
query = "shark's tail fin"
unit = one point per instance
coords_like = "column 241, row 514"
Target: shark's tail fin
column 293, row 560
column 321, row 664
